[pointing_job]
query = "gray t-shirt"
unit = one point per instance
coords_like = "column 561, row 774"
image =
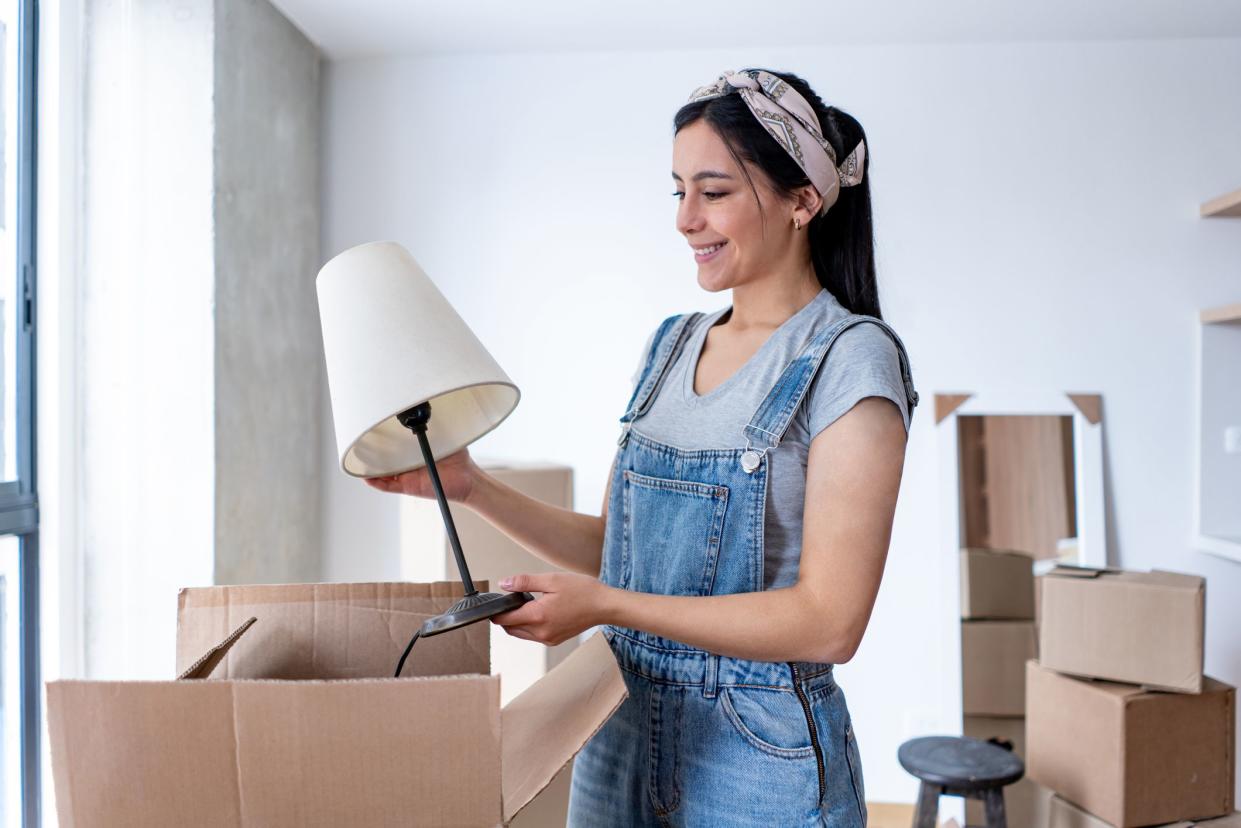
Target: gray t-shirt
column 863, row 362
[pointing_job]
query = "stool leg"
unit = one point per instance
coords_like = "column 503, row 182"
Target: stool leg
column 927, row 812
column 994, row 804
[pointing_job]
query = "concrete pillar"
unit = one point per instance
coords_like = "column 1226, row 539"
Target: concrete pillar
column 269, row 364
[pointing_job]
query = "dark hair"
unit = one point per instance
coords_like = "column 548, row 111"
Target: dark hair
column 842, row 242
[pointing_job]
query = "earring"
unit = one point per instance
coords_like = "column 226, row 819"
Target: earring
column 797, row 222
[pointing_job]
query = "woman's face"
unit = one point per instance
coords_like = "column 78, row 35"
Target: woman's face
column 717, row 207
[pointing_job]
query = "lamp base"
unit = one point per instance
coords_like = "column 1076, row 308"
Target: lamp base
column 477, row 607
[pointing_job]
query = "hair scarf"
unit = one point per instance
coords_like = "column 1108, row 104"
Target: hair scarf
column 791, row 121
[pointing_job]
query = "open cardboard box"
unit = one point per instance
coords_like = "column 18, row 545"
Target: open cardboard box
column 286, row 714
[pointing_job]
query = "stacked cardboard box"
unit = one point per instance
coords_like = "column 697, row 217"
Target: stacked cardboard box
column 1121, row 722
column 997, row 638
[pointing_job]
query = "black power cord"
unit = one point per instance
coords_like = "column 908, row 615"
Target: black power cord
column 400, row 664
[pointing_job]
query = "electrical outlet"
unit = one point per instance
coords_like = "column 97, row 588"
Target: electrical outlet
column 922, row 722
column 1232, row 440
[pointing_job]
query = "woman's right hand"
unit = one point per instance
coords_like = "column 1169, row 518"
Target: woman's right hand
column 456, row 471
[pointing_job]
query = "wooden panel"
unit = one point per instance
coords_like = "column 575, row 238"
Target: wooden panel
column 1017, row 482
column 972, row 464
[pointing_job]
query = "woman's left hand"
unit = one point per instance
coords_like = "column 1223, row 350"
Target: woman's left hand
column 570, row 603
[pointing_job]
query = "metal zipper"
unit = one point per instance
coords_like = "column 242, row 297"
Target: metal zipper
column 814, row 735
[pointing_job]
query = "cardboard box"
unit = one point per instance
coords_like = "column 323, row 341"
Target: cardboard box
column 996, row 584
column 1065, row 814
column 1139, row 627
column 993, row 658
column 426, row 556
column 1130, row 756
column 1026, row 803
column 301, row 723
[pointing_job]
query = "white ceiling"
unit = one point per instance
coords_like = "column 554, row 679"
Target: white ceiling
column 359, row 28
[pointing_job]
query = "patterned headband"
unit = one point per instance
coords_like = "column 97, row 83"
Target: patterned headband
column 792, row 122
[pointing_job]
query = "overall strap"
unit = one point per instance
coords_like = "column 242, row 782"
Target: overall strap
column 775, row 412
column 667, row 342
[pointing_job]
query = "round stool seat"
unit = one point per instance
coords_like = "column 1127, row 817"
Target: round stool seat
column 960, row 762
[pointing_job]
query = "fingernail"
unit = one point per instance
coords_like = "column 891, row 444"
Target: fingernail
column 506, row 583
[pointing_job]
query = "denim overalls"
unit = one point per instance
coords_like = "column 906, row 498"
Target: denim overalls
column 702, row 739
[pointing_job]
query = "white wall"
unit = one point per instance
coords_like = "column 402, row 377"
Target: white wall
column 1036, row 213
column 1221, row 410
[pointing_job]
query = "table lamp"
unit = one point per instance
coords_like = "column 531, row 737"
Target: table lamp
column 396, row 351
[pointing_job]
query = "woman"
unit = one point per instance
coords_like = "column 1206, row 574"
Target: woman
column 749, row 509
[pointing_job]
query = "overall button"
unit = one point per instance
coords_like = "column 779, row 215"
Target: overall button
column 750, row 460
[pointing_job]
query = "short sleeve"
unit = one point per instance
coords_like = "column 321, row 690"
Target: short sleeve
column 863, row 362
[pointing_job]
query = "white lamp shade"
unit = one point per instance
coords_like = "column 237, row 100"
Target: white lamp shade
column 392, row 341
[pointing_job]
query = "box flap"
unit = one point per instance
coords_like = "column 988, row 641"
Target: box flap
column 1072, row 571
column 202, row 668
column 1156, row 577
column 328, row 631
column 547, row 725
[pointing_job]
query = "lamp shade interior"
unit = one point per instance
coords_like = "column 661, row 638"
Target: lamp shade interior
column 457, row 419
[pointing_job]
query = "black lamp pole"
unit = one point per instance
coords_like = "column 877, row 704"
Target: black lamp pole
column 475, row 606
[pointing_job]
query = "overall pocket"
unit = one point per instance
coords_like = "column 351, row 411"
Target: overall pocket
column 672, row 534
column 771, row 720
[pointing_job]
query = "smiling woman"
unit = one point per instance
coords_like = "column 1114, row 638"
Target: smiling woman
column 748, row 511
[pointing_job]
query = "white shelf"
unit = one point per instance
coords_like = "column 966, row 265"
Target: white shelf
column 1217, row 478
column 1223, row 547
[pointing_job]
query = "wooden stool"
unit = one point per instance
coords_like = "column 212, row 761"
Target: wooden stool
column 959, row 766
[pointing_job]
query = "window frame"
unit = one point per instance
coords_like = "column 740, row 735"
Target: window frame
column 19, row 513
